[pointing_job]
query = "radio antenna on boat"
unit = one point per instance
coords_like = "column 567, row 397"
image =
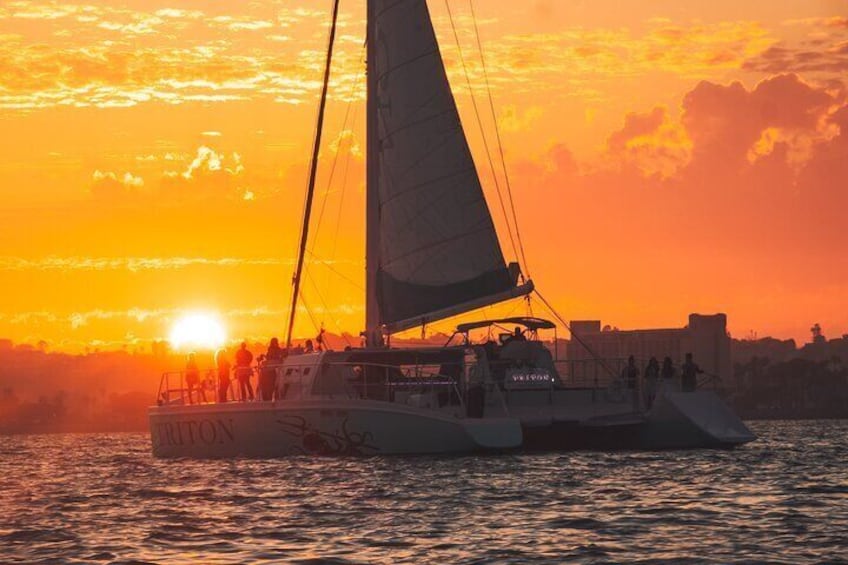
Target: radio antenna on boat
column 304, row 235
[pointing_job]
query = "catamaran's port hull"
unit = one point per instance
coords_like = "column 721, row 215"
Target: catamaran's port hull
column 358, row 428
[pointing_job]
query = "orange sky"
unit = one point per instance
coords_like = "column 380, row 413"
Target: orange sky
column 666, row 157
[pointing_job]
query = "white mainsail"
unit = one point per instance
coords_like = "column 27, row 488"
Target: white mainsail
column 434, row 248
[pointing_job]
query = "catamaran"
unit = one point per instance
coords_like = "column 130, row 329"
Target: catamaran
column 432, row 253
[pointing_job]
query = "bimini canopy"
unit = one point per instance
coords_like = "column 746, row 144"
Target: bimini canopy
column 531, row 324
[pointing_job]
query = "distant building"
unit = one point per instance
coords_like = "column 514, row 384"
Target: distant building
column 822, row 349
column 705, row 337
column 775, row 350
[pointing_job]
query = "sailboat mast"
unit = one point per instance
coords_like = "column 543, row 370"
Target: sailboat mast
column 307, row 212
column 373, row 334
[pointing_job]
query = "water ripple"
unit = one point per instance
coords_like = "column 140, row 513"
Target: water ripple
column 104, row 499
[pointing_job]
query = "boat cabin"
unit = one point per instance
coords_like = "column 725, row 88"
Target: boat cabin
column 436, row 378
column 517, row 359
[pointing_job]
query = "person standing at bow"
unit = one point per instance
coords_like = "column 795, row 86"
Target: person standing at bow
column 652, row 375
column 223, row 366
column 244, row 371
column 192, row 377
column 689, row 374
column 630, row 376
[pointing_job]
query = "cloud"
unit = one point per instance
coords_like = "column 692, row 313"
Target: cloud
column 635, row 126
column 650, row 142
column 132, row 264
column 513, row 120
column 822, row 50
column 813, row 59
column 529, row 62
column 110, row 56
column 751, row 224
column 762, row 170
column 177, row 13
column 139, row 26
column 209, row 174
column 250, row 25
column 32, row 11
column 120, row 57
column 108, row 185
column 346, row 142
column 726, row 122
column 208, row 161
column 828, row 22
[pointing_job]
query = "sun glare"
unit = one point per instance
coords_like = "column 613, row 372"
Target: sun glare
column 197, row 331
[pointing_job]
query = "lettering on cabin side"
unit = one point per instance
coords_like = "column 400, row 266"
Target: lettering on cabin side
column 527, row 379
column 194, row 432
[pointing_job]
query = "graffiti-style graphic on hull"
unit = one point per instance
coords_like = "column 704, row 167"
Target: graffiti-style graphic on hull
column 319, row 442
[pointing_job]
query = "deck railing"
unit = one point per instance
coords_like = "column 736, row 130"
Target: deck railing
column 415, row 385
column 173, row 388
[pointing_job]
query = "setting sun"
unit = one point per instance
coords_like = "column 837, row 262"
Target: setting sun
column 197, row 330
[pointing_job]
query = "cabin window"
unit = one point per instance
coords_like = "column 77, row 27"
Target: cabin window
column 333, row 380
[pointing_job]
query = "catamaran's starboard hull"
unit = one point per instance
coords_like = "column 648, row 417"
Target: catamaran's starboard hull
column 266, row 429
column 678, row 420
column 644, row 436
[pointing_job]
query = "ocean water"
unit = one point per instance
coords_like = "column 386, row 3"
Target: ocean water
column 105, row 499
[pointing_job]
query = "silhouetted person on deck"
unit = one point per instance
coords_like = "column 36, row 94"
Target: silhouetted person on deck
column 275, row 353
column 517, row 335
column 667, row 373
column 192, row 377
column 652, row 374
column 689, row 374
column 630, row 376
column 243, row 372
column 263, row 375
column 268, row 370
column 308, row 347
column 630, row 373
column 223, row 367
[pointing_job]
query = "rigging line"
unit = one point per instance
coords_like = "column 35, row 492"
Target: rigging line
column 347, row 163
column 482, row 131
column 312, row 174
column 498, row 137
column 338, row 273
column 354, row 86
column 576, row 337
column 335, row 321
column 339, row 218
column 308, row 313
column 344, row 188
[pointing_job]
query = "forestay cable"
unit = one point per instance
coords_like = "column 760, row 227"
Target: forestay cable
column 526, row 268
column 482, row 131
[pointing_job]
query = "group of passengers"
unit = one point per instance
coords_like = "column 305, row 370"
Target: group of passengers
column 221, row 378
column 689, row 372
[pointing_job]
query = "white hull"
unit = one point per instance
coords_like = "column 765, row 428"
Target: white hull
column 321, row 427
